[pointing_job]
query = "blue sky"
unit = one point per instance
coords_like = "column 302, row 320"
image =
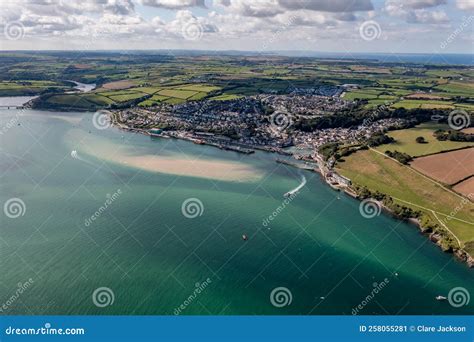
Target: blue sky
column 420, row 26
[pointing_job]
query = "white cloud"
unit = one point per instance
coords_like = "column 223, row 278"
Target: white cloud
column 226, row 24
column 236, row 26
column 185, row 18
column 419, row 4
column 119, row 7
column 426, row 17
column 173, row 4
column 304, row 18
column 44, row 17
column 465, row 4
column 329, row 5
column 262, row 8
column 270, row 8
column 415, row 12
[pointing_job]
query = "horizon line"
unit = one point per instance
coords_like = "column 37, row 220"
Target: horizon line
column 243, row 51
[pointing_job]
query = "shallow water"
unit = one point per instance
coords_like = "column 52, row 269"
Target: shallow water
column 148, row 159
column 14, row 100
column 84, row 87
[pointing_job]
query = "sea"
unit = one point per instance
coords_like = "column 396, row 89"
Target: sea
column 416, row 58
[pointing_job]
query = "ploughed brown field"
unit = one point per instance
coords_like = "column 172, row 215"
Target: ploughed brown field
column 117, row 85
column 466, row 188
column 448, row 167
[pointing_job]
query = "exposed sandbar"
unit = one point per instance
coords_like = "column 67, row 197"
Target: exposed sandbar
column 179, row 164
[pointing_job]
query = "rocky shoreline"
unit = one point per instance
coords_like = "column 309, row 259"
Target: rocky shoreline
column 434, row 237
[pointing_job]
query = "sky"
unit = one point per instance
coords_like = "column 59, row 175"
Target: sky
column 392, row 26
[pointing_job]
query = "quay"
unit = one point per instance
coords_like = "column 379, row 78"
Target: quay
column 304, row 166
column 12, row 107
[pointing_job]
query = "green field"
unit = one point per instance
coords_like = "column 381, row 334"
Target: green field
column 169, row 94
column 172, row 94
column 101, row 100
column 457, row 88
column 28, row 83
column 154, row 100
column 465, row 106
column 185, row 78
column 427, row 104
column 393, row 87
column 200, row 87
column 71, row 101
column 379, row 173
column 176, row 93
column 126, row 97
column 225, row 97
column 405, row 141
column 29, row 87
column 159, row 98
column 360, row 95
column 147, row 103
column 147, row 90
column 197, row 97
column 174, row 100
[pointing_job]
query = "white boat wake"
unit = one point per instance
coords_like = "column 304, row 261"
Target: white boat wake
column 75, row 155
column 298, row 188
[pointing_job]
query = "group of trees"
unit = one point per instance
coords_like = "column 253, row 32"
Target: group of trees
column 400, row 156
column 379, row 139
column 355, row 116
column 443, row 135
column 421, row 140
column 399, row 211
column 329, row 150
column 338, row 150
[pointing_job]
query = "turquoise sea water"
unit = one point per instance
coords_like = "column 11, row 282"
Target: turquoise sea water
column 153, row 258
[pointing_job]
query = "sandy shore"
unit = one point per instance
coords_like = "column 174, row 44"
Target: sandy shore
column 215, row 169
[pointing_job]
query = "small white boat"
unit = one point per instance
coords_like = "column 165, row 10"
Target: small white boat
column 441, row 298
